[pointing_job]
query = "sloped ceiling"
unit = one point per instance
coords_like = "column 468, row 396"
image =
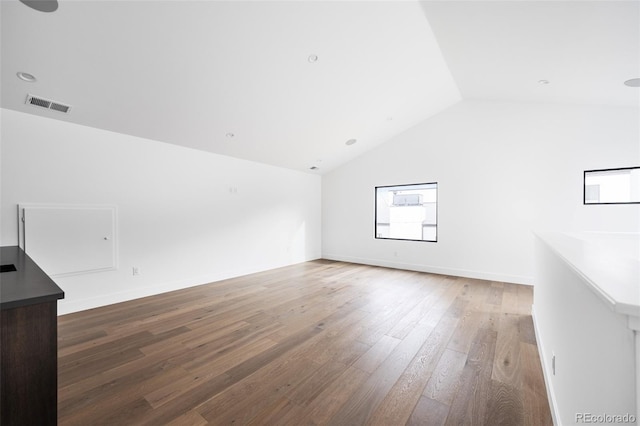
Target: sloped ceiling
column 238, row 78
column 501, row 50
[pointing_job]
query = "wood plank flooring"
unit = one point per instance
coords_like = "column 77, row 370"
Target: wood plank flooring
column 319, row 343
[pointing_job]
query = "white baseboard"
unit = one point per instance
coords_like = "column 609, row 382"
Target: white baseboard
column 481, row 275
column 67, row 306
column 71, row 306
column 546, row 372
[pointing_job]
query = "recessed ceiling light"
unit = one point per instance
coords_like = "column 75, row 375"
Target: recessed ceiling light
column 25, row 76
column 350, row 142
column 634, row 82
column 313, row 58
column 230, row 135
column 543, row 82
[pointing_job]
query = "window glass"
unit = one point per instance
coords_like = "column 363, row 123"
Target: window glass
column 407, row 212
column 612, row 186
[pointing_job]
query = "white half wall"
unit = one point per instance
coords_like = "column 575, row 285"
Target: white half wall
column 503, row 170
column 583, row 327
column 185, row 217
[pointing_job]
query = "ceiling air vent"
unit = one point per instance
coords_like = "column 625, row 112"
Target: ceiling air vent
column 48, row 104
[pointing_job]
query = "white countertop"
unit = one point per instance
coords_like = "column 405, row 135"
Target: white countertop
column 609, row 264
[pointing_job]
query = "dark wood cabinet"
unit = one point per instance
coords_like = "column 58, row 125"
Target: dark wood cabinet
column 28, row 351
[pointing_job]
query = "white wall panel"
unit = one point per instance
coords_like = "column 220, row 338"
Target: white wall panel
column 69, row 239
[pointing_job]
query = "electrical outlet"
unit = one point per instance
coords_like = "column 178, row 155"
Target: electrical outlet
column 136, row 270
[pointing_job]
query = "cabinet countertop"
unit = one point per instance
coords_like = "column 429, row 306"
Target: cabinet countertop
column 28, row 284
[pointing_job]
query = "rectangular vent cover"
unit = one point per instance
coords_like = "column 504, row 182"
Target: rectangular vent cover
column 47, row 103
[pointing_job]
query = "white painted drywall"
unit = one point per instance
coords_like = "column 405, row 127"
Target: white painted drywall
column 503, row 170
column 185, row 217
column 594, row 348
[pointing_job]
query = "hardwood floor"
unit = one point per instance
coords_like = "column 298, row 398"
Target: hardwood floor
column 317, row 343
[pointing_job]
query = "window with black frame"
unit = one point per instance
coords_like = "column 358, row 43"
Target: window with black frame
column 407, row 212
column 612, row 186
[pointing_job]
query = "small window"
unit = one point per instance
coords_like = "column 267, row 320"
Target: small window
column 612, row 186
column 407, row 212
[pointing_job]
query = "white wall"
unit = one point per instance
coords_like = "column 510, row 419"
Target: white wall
column 594, row 349
column 503, row 170
column 177, row 219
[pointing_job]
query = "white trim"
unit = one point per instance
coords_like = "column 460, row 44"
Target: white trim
column 66, row 306
column 546, row 372
column 467, row 273
column 71, row 306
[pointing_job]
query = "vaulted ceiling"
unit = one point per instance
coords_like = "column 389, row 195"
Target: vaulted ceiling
column 288, row 83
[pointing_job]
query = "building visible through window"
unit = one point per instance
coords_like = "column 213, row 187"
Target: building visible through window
column 407, row 212
column 612, row 186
